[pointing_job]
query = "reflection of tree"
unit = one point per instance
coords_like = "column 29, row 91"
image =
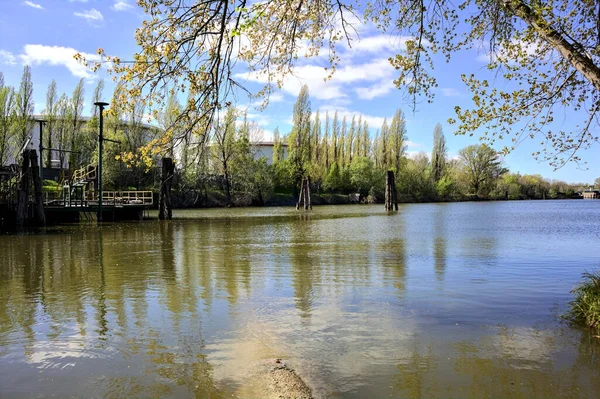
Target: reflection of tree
column 523, row 364
column 439, row 256
column 304, row 274
column 102, row 311
column 440, row 244
column 84, row 286
column 416, row 375
column 165, row 372
column 393, row 262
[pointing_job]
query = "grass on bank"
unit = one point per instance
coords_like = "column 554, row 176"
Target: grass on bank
column 585, row 308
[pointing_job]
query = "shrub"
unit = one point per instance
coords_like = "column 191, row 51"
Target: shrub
column 585, row 308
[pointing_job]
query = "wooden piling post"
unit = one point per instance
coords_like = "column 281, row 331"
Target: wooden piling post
column 391, row 196
column 23, row 195
column 40, row 216
column 309, row 200
column 394, row 192
column 304, row 196
column 164, row 202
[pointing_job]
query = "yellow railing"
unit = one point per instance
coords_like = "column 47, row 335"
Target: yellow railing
column 85, row 173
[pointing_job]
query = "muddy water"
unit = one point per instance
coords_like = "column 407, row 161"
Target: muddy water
column 438, row 300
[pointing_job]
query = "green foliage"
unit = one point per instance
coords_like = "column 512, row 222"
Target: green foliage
column 482, row 168
column 585, row 308
column 446, row 188
column 333, row 181
column 284, row 175
column 7, row 106
column 363, row 176
column 415, row 179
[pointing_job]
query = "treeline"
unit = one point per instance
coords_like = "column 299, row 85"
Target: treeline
column 224, row 163
column 340, row 156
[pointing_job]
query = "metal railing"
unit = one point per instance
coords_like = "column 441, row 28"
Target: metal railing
column 87, row 173
column 128, row 198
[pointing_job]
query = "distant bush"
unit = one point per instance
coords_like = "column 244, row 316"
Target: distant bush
column 585, row 308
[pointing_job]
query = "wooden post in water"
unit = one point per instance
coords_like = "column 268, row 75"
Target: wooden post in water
column 308, row 199
column 391, row 196
column 23, row 195
column 164, row 201
column 40, row 216
column 394, row 192
column 304, row 197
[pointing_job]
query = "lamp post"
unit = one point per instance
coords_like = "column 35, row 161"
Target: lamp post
column 41, row 147
column 101, row 106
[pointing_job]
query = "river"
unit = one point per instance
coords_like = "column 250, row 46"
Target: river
column 437, row 300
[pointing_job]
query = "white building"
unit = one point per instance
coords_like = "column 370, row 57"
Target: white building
column 264, row 149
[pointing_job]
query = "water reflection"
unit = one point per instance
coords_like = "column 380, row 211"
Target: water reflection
column 440, row 241
column 188, row 308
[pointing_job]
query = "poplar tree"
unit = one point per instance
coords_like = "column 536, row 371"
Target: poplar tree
column 7, row 104
column 299, row 139
column 350, row 140
column 384, row 147
column 397, row 135
column 50, row 113
column 277, row 148
column 342, row 142
column 24, row 108
column 335, row 132
column 77, row 101
column 97, row 97
column 63, row 127
column 326, row 142
column 316, row 138
column 439, row 153
column 366, row 140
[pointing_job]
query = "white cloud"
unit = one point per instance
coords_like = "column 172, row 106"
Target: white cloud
column 260, row 119
column 527, row 48
column 91, row 16
column 276, row 97
column 378, row 74
column 364, row 71
column 377, row 90
column 121, row 5
column 7, row 57
column 377, row 44
column 80, row 1
column 450, row 92
column 37, row 54
column 33, row 5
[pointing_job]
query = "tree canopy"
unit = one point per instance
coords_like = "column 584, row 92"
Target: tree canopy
column 548, row 52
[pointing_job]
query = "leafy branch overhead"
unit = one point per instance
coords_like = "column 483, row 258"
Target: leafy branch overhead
column 545, row 55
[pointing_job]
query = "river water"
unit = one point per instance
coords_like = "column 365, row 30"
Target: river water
column 437, row 300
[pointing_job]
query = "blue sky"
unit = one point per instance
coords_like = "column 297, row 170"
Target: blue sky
column 46, row 33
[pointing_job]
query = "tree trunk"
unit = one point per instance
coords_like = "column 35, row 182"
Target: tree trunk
column 164, row 202
column 580, row 61
column 227, row 185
